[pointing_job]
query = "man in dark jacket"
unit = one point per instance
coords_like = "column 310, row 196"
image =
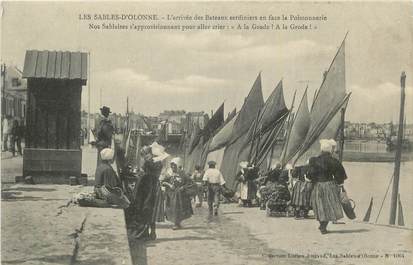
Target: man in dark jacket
column 104, row 132
column 17, row 133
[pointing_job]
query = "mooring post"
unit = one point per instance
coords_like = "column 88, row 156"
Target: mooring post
column 395, row 190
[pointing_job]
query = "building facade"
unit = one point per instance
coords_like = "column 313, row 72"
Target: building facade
column 13, row 93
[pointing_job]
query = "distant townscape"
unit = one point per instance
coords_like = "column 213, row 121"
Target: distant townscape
column 14, row 98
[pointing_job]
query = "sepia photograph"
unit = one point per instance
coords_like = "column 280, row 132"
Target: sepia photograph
column 206, row 132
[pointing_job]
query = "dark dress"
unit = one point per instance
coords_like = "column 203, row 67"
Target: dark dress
column 326, row 172
column 248, row 187
column 177, row 202
column 142, row 211
column 106, row 176
column 108, row 186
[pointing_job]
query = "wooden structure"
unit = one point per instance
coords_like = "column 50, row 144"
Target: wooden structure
column 54, row 85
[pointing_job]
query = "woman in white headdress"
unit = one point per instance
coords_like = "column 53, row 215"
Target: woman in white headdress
column 327, row 173
column 177, row 202
column 108, row 186
column 147, row 205
column 246, row 178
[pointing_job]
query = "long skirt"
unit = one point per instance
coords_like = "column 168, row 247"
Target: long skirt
column 325, row 201
column 159, row 212
column 248, row 190
column 177, row 206
column 301, row 194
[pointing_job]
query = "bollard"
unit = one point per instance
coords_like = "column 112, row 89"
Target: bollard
column 73, row 181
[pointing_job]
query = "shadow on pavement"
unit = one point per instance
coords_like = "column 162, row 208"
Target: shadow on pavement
column 56, row 259
column 193, row 227
column 232, row 213
column 348, row 231
column 179, row 239
column 10, row 196
column 29, row 189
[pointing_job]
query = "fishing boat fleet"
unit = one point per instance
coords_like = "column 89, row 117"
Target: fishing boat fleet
column 266, row 133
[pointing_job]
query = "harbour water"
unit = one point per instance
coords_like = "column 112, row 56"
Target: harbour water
column 365, row 146
column 367, row 180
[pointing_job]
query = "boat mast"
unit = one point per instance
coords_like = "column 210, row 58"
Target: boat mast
column 395, row 190
column 341, row 151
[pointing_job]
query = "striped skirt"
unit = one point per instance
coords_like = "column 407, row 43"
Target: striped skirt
column 325, row 201
column 301, row 194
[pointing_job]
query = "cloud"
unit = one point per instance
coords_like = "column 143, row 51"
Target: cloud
column 206, row 41
column 380, row 103
column 127, row 78
column 149, row 94
column 220, row 47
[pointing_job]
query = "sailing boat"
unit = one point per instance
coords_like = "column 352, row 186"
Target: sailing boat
column 201, row 139
column 249, row 110
column 327, row 109
column 218, row 142
column 262, row 141
column 298, row 131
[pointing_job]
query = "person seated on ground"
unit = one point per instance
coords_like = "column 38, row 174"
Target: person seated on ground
column 279, row 198
column 268, row 183
column 177, row 202
column 108, row 186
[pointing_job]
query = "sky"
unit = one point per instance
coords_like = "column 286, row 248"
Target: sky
column 198, row 70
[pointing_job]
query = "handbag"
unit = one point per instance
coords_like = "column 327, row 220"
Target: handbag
column 348, row 204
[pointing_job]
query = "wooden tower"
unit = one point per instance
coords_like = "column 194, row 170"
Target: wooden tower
column 54, row 84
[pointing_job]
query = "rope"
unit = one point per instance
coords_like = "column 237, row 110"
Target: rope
column 382, row 203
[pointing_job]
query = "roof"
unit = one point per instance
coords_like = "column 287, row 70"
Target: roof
column 55, row 65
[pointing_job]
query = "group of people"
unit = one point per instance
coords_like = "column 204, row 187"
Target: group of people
column 157, row 194
column 150, row 193
column 13, row 134
column 316, row 186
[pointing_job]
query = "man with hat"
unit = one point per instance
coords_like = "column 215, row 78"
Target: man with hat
column 215, row 181
column 104, row 132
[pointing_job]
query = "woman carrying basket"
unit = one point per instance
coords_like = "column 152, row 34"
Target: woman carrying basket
column 328, row 174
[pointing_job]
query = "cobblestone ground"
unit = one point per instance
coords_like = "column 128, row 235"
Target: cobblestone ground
column 32, row 233
column 247, row 236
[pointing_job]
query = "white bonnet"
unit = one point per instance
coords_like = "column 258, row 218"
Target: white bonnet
column 326, row 145
column 107, row 154
column 243, row 164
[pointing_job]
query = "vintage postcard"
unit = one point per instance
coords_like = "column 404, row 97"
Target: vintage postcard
column 206, row 132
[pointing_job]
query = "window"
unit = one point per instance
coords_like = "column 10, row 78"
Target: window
column 15, row 82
